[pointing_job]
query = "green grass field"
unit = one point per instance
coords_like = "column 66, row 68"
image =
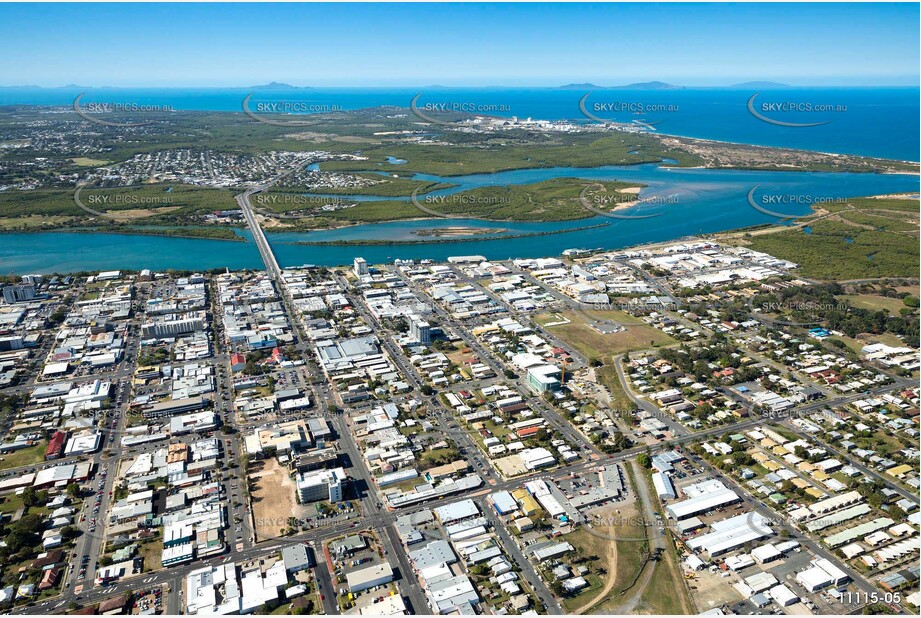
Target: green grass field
column 593, row 344
column 875, row 303
column 24, row 457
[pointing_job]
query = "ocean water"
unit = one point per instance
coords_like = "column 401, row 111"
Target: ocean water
column 877, row 122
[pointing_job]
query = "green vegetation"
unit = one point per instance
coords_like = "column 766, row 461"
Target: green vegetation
column 882, row 204
column 835, row 315
column 593, row 556
column 620, row 400
column 865, row 238
column 549, row 200
column 10, row 504
column 365, row 243
column 209, row 233
column 516, row 150
column 24, row 457
column 875, row 303
column 179, row 199
column 438, row 457
column 153, row 356
column 666, row 593
column 837, row 251
column 33, row 223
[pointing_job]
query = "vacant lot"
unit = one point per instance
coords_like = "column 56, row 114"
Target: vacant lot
column 630, row 553
column 606, row 551
column 875, row 303
column 152, row 552
column 666, row 592
column 32, row 222
column 273, row 498
column 857, row 344
column 24, row 457
column 87, row 162
column 593, row 344
column 141, row 213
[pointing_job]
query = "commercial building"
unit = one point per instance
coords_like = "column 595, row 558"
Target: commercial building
column 82, row 444
column 435, row 553
column 369, row 577
column 195, row 422
column 456, row 511
column 420, row 330
column 18, row 293
column 283, row 439
column 503, row 502
column 783, row 595
column 321, row 485
column 55, row 446
column 821, row 575
column 543, row 378
column 165, row 329
column 297, row 557
column 8, row 344
column 171, row 407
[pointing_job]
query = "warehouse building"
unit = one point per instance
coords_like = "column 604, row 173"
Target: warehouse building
column 704, row 496
column 730, row 534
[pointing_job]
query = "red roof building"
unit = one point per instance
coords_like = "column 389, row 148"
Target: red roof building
column 49, row 578
column 55, row 446
column 527, row 431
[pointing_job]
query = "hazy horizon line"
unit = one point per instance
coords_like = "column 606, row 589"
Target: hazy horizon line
column 466, row 85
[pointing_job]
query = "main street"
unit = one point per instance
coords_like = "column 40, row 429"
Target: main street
column 370, row 503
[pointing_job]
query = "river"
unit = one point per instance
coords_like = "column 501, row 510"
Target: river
column 692, row 201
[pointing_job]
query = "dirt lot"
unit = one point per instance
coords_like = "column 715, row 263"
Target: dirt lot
column 712, row 590
column 273, row 498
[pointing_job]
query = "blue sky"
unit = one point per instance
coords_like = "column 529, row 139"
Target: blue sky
column 457, row 44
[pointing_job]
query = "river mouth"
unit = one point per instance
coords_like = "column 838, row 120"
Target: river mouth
column 686, row 194
column 708, row 201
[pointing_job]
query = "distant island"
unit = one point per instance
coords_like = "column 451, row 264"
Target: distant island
column 581, row 87
column 655, row 85
column 649, row 86
column 637, row 86
column 762, row 85
column 278, row 86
